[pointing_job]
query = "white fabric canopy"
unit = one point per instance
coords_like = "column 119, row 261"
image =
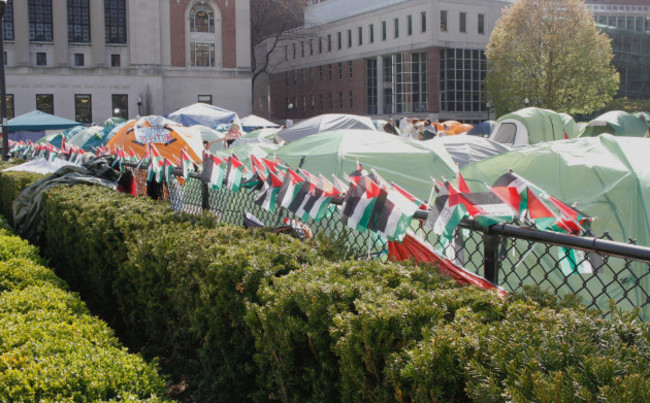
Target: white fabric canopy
column 324, row 123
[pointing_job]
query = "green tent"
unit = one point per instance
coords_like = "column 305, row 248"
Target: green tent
column 56, row 138
column 407, row 163
column 618, row 123
column 82, row 137
column 112, row 121
column 609, row 178
column 533, row 125
column 644, row 116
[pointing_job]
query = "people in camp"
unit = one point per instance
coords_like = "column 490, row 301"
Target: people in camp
column 207, row 144
column 233, row 134
column 389, row 127
column 429, row 130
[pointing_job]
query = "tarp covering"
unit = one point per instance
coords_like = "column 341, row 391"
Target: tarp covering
column 265, row 135
column 482, row 129
column 39, row 166
column 203, row 114
column 413, row 248
column 325, row 123
column 531, row 126
column 618, row 123
column 28, row 205
column 57, row 138
column 466, row 149
column 253, row 122
column 407, row 163
column 39, row 121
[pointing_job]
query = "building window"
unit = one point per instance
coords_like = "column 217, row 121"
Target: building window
column 313, row 102
column 295, row 78
column 462, row 17
column 340, row 71
column 45, row 103
column 340, row 100
column 202, row 55
column 9, row 101
column 4, row 58
column 83, row 108
column 115, row 21
column 320, row 101
column 396, row 23
column 371, row 86
column 360, row 36
column 371, row 30
column 383, row 30
column 302, row 49
column 293, row 50
column 481, row 23
column 443, row 20
column 79, row 60
column 339, row 40
column 311, row 47
column 405, row 83
column 40, row 20
column 286, row 52
column 350, row 70
column 349, row 38
column 423, row 21
column 78, row 21
column 120, row 105
column 330, row 102
column 201, row 18
column 350, row 97
column 205, row 99
column 320, row 45
column 462, row 72
column 329, row 42
column 329, row 72
column 41, row 59
column 116, row 60
column 409, row 25
column 9, row 21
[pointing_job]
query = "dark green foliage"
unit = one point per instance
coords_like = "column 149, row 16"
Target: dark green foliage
column 185, row 291
column 11, row 184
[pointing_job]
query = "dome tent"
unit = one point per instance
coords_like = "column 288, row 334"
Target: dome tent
column 203, row 114
column 325, row 123
column 531, row 126
column 618, row 123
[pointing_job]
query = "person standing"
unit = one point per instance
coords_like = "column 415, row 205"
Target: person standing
column 389, row 127
column 233, row 134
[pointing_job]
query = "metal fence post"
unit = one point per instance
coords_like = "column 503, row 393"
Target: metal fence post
column 491, row 256
column 205, row 196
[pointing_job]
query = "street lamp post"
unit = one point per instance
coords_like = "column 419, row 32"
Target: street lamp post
column 3, row 89
column 487, row 106
column 139, row 103
column 526, row 101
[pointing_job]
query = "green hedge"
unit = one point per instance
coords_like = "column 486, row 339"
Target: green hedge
column 250, row 315
column 11, row 184
column 51, row 349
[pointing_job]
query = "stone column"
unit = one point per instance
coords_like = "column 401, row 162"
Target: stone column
column 380, row 85
column 60, row 32
column 21, row 33
column 98, row 33
column 243, row 33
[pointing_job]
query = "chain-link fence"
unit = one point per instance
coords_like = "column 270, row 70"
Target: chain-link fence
column 596, row 270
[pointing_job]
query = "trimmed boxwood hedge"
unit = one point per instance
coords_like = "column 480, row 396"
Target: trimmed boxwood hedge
column 11, row 184
column 250, row 315
column 51, row 349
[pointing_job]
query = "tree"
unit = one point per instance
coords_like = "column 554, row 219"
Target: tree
column 270, row 21
column 550, row 52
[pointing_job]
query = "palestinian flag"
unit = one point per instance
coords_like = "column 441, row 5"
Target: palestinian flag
column 268, row 195
column 446, row 213
column 462, row 185
column 485, row 207
column 168, row 167
column 270, row 165
column 419, row 203
column 359, row 173
column 155, row 170
column 316, row 206
column 258, row 166
column 359, row 203
column 439, row 189
column 213, row 170
column 511, row 189
column 235, row 173
column 298, row 203
column 392, row 214
column 572, row 218
column 186, row 164
column 290, row 188
column 133, row 157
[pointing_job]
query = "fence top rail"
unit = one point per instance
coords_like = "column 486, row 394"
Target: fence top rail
column 586, row 243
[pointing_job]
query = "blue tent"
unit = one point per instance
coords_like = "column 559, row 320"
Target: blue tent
column 37, row 121
column 203, row 114
column 482, row 129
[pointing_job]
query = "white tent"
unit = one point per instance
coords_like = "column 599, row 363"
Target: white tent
column 325, row 123
column 203, row 114
column 466, row 149
column 253, row 122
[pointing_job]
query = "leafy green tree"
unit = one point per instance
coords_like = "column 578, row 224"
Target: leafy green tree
column 550, row 52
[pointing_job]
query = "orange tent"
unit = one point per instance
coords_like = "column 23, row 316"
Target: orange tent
column 460, row 128
column 168, row 136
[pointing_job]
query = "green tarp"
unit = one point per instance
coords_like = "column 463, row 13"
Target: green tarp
column 38, row 121
column 609, row 178
column 408, row 163
column 618, row 123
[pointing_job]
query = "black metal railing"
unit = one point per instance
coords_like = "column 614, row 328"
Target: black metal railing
column 507, row 255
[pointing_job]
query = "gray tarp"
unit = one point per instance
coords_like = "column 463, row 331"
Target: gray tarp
column 28, row 206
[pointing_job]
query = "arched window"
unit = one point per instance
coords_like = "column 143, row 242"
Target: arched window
column 201, row 18
column 204, row 34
